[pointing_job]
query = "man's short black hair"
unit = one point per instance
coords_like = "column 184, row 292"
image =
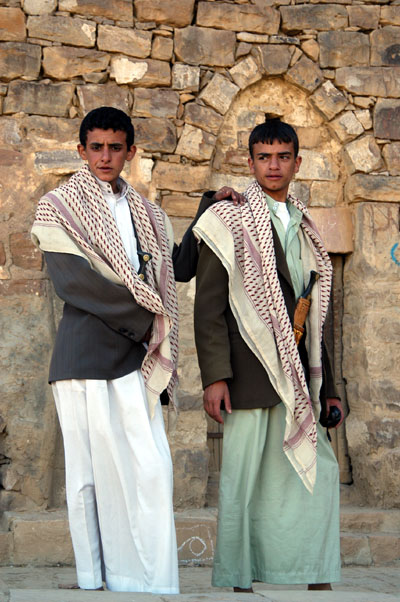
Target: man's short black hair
column 107, row 118
column 271, row 130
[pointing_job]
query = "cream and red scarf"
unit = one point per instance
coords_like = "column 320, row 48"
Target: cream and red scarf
column 242, row 239
column 75, row 218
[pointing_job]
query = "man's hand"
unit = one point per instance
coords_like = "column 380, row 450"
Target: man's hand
column 334, row 402
column 227, row 193
column 213, row 395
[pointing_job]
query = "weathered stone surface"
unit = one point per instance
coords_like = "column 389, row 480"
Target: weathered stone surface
column 60, row 162
column 329, row 100
column 370, row 81
column 321, row 17
column 185, row 77
column 238, row 17
column 306, row 74
column 354, row 549
column 76, row 32
column 364, row 155
column 336, row 228
column 365, row 17
column 162, row 48
column 203, row 117
column 384, row 548
column 39, row 7
column 239, row 183
column 205, row 46
column 219, row 93
column 149, row 73
column 155, row 134
column 373, row 188
column 93, row 95
column 64, row 62
column 2, row 254
column 19, row 60
column 390, row 15
column 311, row 49
column 185, row 178
column 387, row 119
column 178, row 13
column 118, row 10
column 23, row 253
column 246, row 72
column 196, row 143
column 132, row 42
column 326, row 194
column 391, row 154
column 346, row 126
column 196, row 537
column 274, row 58
column 364, row 117
column 42, row 536
column 385, row 46
column 156, row 102
column 316, row 166
column 176, row 205
column 40, row 99
column 12, row 24
column 343, row 48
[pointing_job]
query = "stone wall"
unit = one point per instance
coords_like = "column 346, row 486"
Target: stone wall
column 196, row 77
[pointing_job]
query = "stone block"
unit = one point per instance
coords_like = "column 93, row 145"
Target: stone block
column 12, row 24
column 162, row 48
column 148, row 73
column 6, row 548
column 39, row 98
column 252, row 38
column 238, row 17
column 111, row 95
column 354, row 549
column 42, row 539
column 203, row 117
column 59, row 162
column 77, row 32
column 239, row 183
column 156, row 102
column 346, row 126
column 65, row 62
column 39, row 7
column 132, row 42
column 196, row 144
column 185, row 77
column 316, row 166
column 387, row 119
column 385, row 47
column 179, row 205
column 177, row 13
column 196, row 534
column 364, row 155
column 19, row 60
column 311, row 49
column 118, row 10
column 274, row 58
column 155, row 134
column 305, row 74
column 219, row 93
column 343, row 48
column 190, row 475
column 23, row 252
column 364, row 17
column 205, row 46
column 391, row 155
column 385, row 549
column 326, row 194
column 184, row 178
column 335, row 227
column 365, row 187
column 2, row 254
column 364, row 117
column 325, row 17
column 328, row 100
column 390, row 15
column 370, row 81
column 245, row 72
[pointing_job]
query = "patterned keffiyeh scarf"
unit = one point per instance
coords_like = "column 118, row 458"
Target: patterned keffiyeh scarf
column 75, row 218
column 242, row 239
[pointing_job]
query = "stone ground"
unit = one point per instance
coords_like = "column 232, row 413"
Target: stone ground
column 359, row 584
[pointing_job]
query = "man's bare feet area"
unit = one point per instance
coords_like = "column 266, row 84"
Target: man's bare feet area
column 76, row 586
column 248, row 590
column 320, row 586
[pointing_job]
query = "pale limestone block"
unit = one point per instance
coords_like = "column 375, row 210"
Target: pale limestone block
column 177, row 13
column 329, row 100
column 238, row 17
column 364, row 117
column 18, row 60
column 39, row 7
column 364, row 154
column 385, row 48
column 185, row 77
column 385, row 548
column 149, row 73
column 196, row 537
column 387, row 119
column 239, row 183
column 203, row 117
column 364, row 187
column 185, row 178
column 354, row 549
column 370, row 81
column 346, row 126
column 205, row 46
column 335, row 227
column 274, row 58
column 12, row 24
column 38, row 98
column 59, row 162
column 66, row 62
column 155, row 134
column 162, row 48
column 111, row 95
column 325, row 17
column 343, row 48
column 196, row 144
column 243, row 49
column 391, row 155
column 179, row 205
column 300, row 190
column 219, row 93
column 306, row 74
column 363, row 102
column 117, row 10
column 311, row 49
column 132, row 42
column 390, row 15
column 76, row 32
column 252, row 38
column 326, row 194
column 316, row 166
column 365, row 17
column 156, row 102
column 245, row 73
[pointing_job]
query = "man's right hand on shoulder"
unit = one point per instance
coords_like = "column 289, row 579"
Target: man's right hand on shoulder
column 213, row 395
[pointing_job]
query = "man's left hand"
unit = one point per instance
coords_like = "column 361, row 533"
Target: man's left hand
column 334, row 402
column 227, row 193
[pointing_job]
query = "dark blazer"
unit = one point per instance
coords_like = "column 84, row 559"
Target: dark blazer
column 222, row 352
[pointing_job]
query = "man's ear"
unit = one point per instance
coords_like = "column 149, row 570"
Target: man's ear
column 297, row 163
column 82, row 151
column 131, row 153
column 251, row 164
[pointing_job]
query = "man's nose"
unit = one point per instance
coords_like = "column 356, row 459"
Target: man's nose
column 274, row 163
column 106, row 154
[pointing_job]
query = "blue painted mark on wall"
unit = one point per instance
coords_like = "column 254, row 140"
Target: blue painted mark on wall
column 392, row 254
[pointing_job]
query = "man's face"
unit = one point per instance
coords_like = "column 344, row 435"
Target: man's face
column 106, row 152
column 274, row 166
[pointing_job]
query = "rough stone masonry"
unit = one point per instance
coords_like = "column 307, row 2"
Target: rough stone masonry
column 196, row 77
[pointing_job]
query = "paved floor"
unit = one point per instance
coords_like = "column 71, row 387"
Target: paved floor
column 359, row 584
